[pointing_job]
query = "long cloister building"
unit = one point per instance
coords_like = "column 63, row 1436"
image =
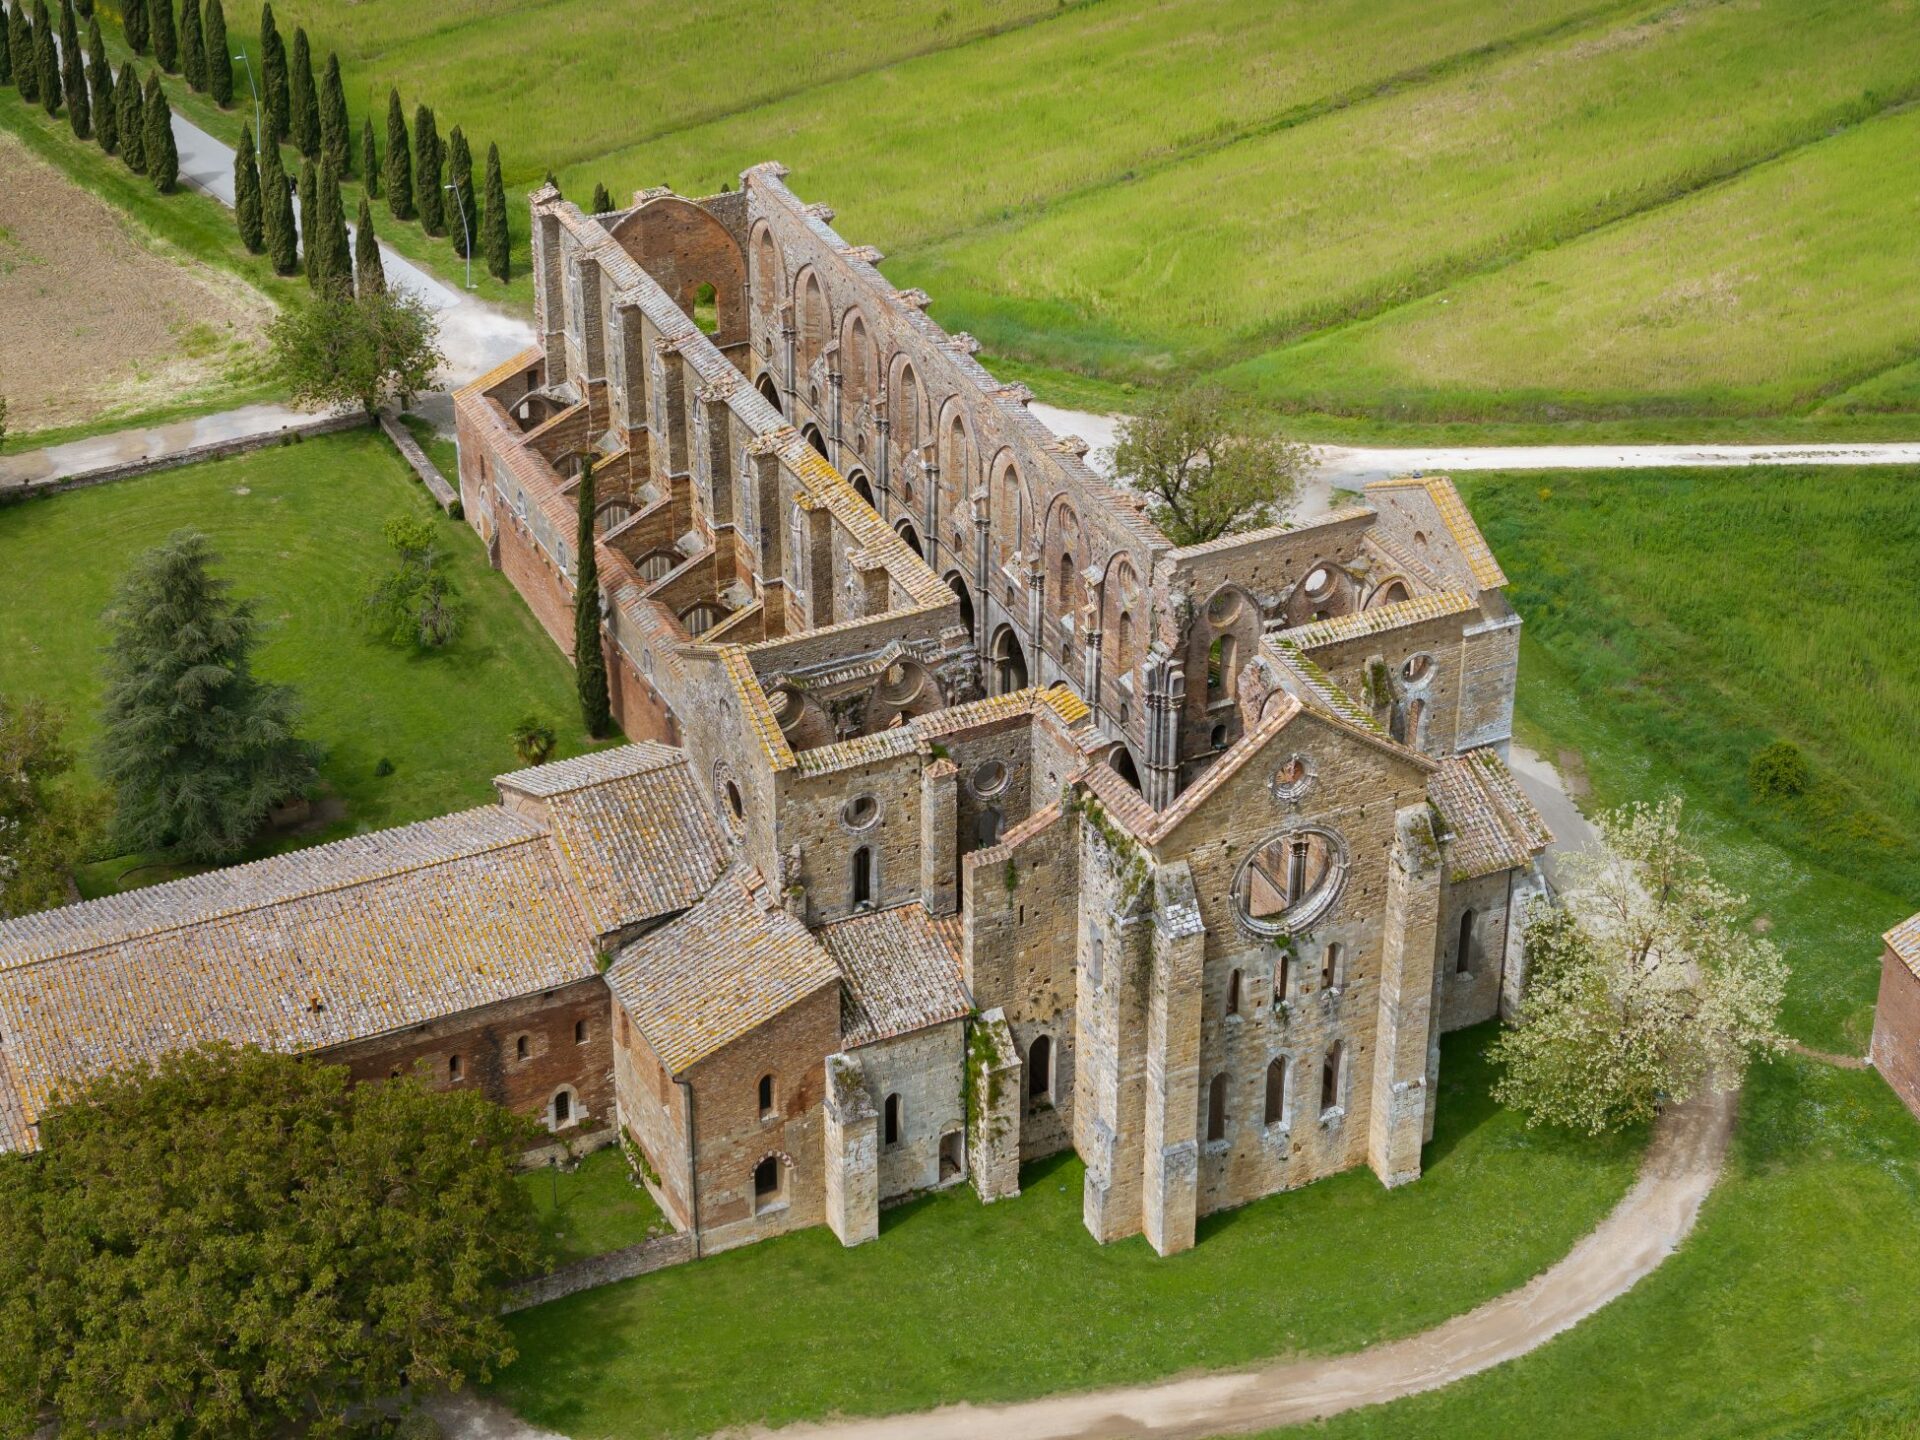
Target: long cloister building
column 967, row 818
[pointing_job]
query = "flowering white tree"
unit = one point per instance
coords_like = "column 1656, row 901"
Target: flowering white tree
column 1644, row 984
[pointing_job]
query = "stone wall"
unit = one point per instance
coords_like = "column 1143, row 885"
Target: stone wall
column 925, row 1072
column 624, row 1264
column 655, row 1112
column 1470, row 993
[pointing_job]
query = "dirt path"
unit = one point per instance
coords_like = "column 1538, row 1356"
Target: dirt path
column 1682, row 1162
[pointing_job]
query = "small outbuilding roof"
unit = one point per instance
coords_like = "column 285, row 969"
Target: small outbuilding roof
column 1494, row 825
column 901, row 974
column 1904, row 941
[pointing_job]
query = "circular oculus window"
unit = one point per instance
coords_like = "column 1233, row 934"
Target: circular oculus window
column 860, row 812
column 1290, row 881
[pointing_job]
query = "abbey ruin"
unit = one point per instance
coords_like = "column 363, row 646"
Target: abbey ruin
column 966, row 819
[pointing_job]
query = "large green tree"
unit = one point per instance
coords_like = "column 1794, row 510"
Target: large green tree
column 193, row 46
column 303, row 97
column 462, row 217
column 45, row 825
column 235, row 1245
column 494, row 243
column 1207, row 465
column 46, row 59
column 365, row 350
column 417, row 602
column 336, row 138
column 9, row 42
column 1646, row 984
column 247, row 212
column 130, row 119
column 197, row 748
column 369, row 274
column 275, row 98
column 428, row 161
column 276, row 213
column 163, row 158
column 589, row 660
column 73, row 74
column 106, row 114
column 133, row 24
column 399, row 166
column 333, row 270
column 166, row 40
column 213, row 28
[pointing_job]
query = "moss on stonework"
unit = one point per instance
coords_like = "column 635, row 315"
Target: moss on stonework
column 1129, row 859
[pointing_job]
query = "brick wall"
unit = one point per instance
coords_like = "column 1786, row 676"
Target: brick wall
column 1896, row 1030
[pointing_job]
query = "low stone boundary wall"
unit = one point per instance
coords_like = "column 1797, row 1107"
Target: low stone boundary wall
column 642, row 1259
column 193, row 455
column 410, row 451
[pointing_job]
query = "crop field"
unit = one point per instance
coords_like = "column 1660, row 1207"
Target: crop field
column 1460, row 211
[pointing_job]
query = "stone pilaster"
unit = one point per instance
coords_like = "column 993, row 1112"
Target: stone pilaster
column 939, row 830
column 993, row 1107
column 852, row 1146
column 1166, row 697
column 1171, row 1143
column 1403, row 1033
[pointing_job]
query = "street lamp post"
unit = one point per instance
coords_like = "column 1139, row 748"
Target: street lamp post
column 465, row 229
column 258, row 138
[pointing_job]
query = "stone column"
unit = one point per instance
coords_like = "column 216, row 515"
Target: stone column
column 982, row 559
column 1166, row 685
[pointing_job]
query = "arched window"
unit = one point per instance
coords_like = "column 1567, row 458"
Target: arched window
column 1123, row 643
column 862, row 877
column 1233, row 993
column 1463, row 961
column 1416, row 718
column 562, row 1108
column 1217, row 1107
column 520, row 1048
column 1220, row 667
column 1066, row 580
column 1040, row 1069
column 766, row 1183
column 1096, row 959
column 1283, row 977
column 1330, row 1076
column 1218, row 737
column 766, row 1097
column 579, row 1032
column 986, row 828
column 1276, row 1110
column 893, row 1120
column 1333, row 967
column 453, row 1067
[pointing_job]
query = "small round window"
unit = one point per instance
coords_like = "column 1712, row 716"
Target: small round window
column 1292, row 778
column 1223, row 607
column 1319, row 583
column 1418, row 667
column 860, row 812
column 989, row 778
column 1290, row 881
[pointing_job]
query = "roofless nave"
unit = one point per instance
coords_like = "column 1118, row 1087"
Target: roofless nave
column 973, row 819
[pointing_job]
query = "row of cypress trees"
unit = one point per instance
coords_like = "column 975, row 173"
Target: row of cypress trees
column 195, row 48
column 126, row 118
column 264, row 211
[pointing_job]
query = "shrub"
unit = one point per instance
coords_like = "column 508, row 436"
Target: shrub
column 1778, row 772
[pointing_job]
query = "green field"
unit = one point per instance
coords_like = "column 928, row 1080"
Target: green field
column 959, row 1300
column 593, row 1208
column 1637, row 214
column 298, row 529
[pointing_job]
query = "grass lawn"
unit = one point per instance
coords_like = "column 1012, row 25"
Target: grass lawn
column 593, row 1208
column 1678, row 621
column 959, row 1300
column 298, row 530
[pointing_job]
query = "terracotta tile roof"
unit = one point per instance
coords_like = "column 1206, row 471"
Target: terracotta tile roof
column 15, row 1134
column 526, row 360
column 1904, row 941
column 1253, row 539
column 1382, row 618
column 1485, row 570
column 299, row 953
column 755, row 708
column 1494, row 826
column 638, row 845
column 727, row 966
column 900, row 974
column 1315, row 688
column 620, row 763
column 907, row 738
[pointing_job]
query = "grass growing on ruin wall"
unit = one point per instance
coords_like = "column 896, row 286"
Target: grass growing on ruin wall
column 298, row 529
column 957, row 1300
column 1679, row 621
column 1790, row 1313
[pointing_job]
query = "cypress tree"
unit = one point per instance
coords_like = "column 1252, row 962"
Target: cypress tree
column 305, row 114
column 46, row 59
column 166, row 40
column 369, row 158
column 493, row 223
column 310, row 218
column 130, row 119
column 369, row 275
column 336, row 141
column 133, row 22
column 462, row 217
column 219, row 54
column 276, row 213
column 333, row 270
column 273, row 77
column 602, row 202
column 73, row 73
column 399, row 169
column 193, row 46
column 427, row 161
column 246, row 195
column 163, row 160
column 25, row 55
column 106, row 117
column 589, row 661
column 10, row 43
